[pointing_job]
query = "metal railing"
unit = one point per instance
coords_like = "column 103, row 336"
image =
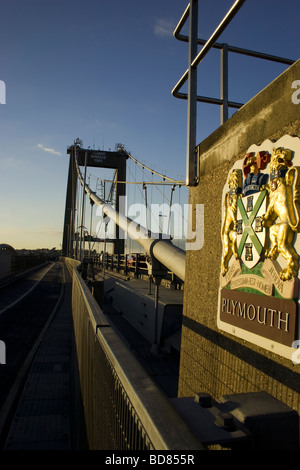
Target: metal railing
column 131, row 265
column 125, row 263
column 123, row 407
column 190, row 75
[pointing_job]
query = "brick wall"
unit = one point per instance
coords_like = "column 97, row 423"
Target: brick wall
column 213, row 361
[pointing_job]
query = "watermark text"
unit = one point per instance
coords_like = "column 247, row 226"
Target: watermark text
column 2, row 353
column 2, row 92
column 158, row 221
column 296, row 94
column 296, row 353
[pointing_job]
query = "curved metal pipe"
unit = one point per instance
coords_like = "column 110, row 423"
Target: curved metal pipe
column 163, row 250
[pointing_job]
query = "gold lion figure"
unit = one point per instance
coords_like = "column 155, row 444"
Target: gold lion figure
column 229, row 228
column 283, row 208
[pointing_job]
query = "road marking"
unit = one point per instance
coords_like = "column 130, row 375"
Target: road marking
column 43, row 274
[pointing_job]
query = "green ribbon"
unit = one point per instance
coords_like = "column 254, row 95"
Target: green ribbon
column 248, row 230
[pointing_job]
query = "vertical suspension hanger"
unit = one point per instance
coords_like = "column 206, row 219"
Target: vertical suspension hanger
column 91, row 225
column 170, row 207
column 151, row 200
column 145, row 197
column 163, row 203
column 146, row 204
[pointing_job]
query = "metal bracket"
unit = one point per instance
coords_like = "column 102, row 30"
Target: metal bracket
column 254, row 421
column 273, row 424
column 210, row 424
column 156, row 270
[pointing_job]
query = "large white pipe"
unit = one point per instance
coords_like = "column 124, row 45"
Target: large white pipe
column 163, row 250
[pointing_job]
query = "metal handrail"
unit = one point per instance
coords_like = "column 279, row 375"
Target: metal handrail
column 238, row 50
column 124, row 408
column 210, row 43
column 191, row 75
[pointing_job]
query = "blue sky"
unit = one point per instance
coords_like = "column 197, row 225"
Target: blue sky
column 103, row 71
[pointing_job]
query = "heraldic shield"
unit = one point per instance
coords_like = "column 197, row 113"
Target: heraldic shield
column 251, row 233
column 259, row 294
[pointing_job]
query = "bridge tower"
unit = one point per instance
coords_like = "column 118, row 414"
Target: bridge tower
column 99, row 159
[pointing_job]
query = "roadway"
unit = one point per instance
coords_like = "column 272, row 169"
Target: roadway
column 39, row 408
column 27, row 308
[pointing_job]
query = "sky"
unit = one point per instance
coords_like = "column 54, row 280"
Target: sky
column 103, row 71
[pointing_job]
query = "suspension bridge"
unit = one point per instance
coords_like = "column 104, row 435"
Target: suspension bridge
column 162, row 212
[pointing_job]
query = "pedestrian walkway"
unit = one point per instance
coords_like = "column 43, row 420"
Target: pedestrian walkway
column 48, row 413
column 42, row 419
column 163, row 367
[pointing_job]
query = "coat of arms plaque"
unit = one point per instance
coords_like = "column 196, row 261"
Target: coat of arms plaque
column 259, row 279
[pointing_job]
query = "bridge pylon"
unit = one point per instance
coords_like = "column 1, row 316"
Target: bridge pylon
column 97, row 159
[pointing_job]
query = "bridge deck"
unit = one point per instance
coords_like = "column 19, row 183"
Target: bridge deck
column 163, row 368
column 42, row 418
column 47, row 407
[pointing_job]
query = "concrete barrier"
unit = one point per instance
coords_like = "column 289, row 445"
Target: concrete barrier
column 138, row 308
column 212, row 360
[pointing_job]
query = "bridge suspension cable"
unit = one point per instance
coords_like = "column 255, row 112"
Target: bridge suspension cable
column 147, row 180
column 177, row 211
column 160, row 249
column 164, row 177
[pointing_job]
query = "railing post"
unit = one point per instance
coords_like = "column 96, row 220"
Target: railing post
column 136, row 269
column 191, row 175
column 224, row 83
column 81, row 255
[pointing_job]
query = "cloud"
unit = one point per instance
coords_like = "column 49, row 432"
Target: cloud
column 164, row 27
column 47, row 149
